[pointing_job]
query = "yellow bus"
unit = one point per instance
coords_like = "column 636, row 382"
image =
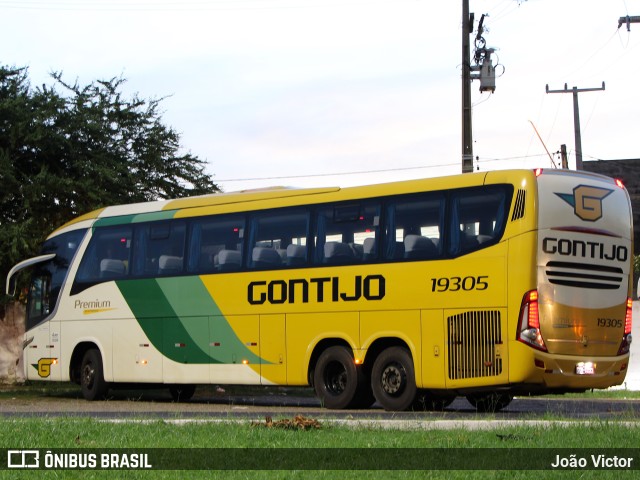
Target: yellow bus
column 483, row 285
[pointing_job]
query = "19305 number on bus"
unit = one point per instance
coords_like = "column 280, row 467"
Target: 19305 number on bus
column 454, row 284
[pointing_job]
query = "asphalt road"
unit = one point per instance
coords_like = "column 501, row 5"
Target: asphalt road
column 280, row 403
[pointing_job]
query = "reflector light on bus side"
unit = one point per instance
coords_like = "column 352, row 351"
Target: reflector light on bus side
column 529, row 331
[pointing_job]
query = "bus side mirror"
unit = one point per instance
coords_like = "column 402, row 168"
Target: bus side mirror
column 11, row 280
column 11, row 286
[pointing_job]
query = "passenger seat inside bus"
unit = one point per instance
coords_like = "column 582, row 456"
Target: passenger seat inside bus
column 296, row 255
column 169, row 265
column 229, row 260
column 417, row 246
column 112, row 268
column 265, row 257
column 369, row 249
column 336, row 253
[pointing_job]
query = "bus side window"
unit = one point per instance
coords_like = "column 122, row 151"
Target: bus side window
column 159, row 249
column 278, row 239
column 107, row 257
column 347, row 233
column 478, row 218
column 413, row 227
column 215, row 244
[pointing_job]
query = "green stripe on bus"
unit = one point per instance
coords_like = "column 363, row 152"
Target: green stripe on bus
column 134, row 218
column 109, row 221
column 179, row 317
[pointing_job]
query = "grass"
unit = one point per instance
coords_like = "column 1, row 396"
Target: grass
column 94, row 434
column 365, row 443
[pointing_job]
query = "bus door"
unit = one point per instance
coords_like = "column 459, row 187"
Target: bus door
column 37, row 342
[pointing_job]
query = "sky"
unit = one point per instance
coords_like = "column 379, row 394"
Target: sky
column 307, row 93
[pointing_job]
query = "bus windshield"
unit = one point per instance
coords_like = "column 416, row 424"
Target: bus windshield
column 48, row 277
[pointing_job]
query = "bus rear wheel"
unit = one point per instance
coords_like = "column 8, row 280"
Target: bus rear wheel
column 337, row 380
column 92, row 382
column 489, row 402
column 393, row 379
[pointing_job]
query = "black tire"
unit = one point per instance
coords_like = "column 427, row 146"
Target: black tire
column 182, row 393
column 489, row 402
column 92, row 380
column 430, row 402
column 336, row 379
column 393, row 379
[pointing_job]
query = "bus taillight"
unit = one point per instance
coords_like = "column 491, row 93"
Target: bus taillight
column 529, row 331
column 626, row 339
column 628, row 317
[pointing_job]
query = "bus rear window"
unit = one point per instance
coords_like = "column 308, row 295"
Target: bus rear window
column 414, row 227
column 478, row 217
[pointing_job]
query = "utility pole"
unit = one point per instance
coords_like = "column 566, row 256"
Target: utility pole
column 563, row 156
column 467, row 135
column 482, row 70
column 576, row 117
column 628, row 20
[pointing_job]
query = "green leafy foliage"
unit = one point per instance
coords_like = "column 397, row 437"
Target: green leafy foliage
column 68, row 149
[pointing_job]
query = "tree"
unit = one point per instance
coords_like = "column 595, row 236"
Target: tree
column 65, row 154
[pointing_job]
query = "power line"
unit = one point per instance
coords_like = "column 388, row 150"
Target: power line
column 364, row 172
column 189, row 5
column 359, row 172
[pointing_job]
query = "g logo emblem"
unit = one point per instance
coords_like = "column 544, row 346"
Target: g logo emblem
column 586, row 201
column 44, row 366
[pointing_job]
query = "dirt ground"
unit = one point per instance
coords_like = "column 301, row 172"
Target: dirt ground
column 11, row 331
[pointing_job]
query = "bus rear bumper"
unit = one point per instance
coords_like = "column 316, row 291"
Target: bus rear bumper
column 571, row 372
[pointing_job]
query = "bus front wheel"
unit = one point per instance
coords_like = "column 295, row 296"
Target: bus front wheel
column 92, row 382
column 393, row 379
column 336, row 379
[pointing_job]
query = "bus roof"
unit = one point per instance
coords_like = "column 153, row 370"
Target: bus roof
column 214, row 199
column 266, row 196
